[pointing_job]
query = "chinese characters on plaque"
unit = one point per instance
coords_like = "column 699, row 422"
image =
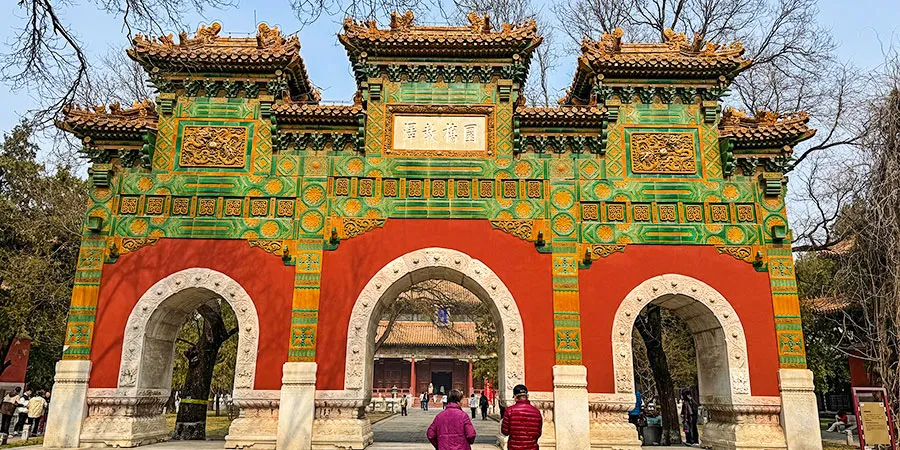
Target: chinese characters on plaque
column 453, row 133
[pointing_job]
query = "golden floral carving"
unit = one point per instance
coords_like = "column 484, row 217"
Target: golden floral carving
column 590, row 211
column 181, row 206
column 463, row 189
column 259, row 207
column 129, row 205
column 134, row 244
column 486, row 189
column 663, row 153
column 745, row 213
column 284, row 208
column 693, row 213
column 642, row 213
column 213, row 146
column 233, row 207
column 390, row 188
column 509, row 189
column 342, row 186
column 414, row 188
column 718, row 213
column 356, row 226
column 206, row 207
column 366, row 187
column 439, row 188
column 155, row 205
column 534, row 189
column 273, row 247
column 743, row 253
column 604, row 250
column 667, row 213
column 615, row 211
column 521, row 229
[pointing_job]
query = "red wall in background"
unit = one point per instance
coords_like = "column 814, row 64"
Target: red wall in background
column 610, row 279
column 265, row 278
column 525, row 273
column 859, row 377
column 18, row 357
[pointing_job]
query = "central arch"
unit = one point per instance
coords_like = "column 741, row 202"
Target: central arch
column 425, row 264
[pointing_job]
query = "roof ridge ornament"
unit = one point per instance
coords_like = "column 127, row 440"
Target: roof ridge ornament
column 402, row 22
column 480, row 24
column 205, row 35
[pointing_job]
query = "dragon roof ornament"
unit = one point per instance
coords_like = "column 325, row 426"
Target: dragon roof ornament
column 405, row 38
column 111, row 120
column 765, row 128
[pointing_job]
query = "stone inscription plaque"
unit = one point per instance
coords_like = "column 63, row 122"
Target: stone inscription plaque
column 440, row 133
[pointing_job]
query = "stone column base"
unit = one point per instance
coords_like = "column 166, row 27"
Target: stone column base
column 570, row 408
column 297, row 406
column 69, row 405
column 117, row 419
column 257, row 424
column 746, row 423
column 799, row 410
column 341, row 421
column 610, row 429
column 543, row 401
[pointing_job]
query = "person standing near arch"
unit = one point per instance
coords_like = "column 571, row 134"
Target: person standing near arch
column 522, row 422
column 452, row 429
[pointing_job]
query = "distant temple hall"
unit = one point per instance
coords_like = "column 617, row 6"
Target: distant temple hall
column 236, row 184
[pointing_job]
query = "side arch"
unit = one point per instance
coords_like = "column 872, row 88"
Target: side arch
column 148, row 346
column 421, row 265
column 718, row 334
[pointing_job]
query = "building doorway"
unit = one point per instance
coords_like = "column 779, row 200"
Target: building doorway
column 442, row 381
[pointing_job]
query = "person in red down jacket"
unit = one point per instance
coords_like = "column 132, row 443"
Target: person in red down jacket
column 452, row 429
column 522, row 422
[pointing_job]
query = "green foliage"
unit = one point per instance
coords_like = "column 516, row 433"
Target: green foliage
column 815, row 279
column 41, row 213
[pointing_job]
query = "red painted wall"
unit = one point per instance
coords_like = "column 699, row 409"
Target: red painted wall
column 265, row 278
column 610, row 279
column 525, row 273
column 859, row 377
column 18, row 358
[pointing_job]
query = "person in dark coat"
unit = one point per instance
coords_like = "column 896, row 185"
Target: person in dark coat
column 522, row 422
column 689, row 416
column 452, row 429
column 484, row 404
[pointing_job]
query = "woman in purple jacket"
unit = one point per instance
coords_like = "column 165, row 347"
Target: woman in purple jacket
column 452, row 429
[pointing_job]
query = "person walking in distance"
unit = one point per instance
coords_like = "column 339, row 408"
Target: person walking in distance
column 404, row 402
column 473, row 404
column 424, row 401
column 36, row 407
column 452, row 429
column 8, row 408
column 522, row 422
column 689, row 417
column 22, row 412
column 484, row 403
column 444, row 401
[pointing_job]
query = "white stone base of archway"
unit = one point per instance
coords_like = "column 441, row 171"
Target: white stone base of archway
column 69, row 405
column 610, row 429
column 340, row 421
column 257, row 425
column 748, row 422
column 800, row 412
column 543, row 401
column 124, row 418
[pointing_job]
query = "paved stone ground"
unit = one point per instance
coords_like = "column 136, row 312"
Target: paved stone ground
column 411, row 429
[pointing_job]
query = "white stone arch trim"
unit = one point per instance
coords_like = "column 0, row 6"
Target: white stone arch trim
column 680, row 285
column 245, row 312
column 473, row 275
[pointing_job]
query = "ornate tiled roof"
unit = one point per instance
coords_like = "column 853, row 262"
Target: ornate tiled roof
column 676, row 58
column 287, row 112
column 572, row 116
column 268, row 52
column 404, row 38
column 112, row 121
column 765, row 129
column 427, row 334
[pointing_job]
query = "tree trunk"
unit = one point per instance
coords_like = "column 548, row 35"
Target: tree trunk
column 191, row 421
column 649, row 325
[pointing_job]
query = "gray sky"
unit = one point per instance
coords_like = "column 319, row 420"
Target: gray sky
column 861, row 28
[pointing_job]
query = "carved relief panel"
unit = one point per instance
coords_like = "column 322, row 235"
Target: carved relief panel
column 214, row 146
column 663, row 153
